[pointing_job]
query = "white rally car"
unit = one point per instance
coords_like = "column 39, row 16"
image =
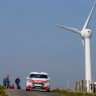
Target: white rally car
column 38, row 80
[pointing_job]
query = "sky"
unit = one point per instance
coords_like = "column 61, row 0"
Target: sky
column 31, row 41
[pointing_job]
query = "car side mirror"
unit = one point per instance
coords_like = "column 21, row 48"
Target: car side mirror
column 49, row 78
column 27, row 78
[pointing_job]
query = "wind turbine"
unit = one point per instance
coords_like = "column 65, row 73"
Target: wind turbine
column 85, row 34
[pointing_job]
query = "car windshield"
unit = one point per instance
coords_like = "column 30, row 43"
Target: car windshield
column 38, row 76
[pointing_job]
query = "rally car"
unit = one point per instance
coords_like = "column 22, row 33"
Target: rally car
column 38, row 80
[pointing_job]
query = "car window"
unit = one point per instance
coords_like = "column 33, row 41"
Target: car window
column 43, row 76
column 33, row 76
column 38, row 76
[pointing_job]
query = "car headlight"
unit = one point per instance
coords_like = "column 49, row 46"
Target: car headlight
column 46, row 83
column 29, row 83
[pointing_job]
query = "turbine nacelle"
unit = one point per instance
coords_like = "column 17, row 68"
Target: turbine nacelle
column 86, row 33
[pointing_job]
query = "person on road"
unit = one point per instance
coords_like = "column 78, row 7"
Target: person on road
column 12, row 86
column 7, row 81
column 17, row 81
column 4, row 82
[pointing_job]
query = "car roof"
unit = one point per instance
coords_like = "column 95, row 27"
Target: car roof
column 39, row 73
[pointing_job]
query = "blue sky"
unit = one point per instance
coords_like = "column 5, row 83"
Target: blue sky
column 31, row 41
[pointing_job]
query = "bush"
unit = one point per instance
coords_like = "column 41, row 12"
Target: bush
column 2, row 93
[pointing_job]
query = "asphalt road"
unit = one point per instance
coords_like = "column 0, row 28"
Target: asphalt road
column 17, row 92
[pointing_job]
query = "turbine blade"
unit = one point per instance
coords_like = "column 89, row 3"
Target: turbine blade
column 70, row 29
column 89, row 17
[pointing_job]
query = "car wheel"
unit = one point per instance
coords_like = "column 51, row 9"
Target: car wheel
column 27, row 90
column 48, row 90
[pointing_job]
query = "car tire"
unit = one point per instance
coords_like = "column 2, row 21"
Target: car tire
column 27, row 90
column 48, row 90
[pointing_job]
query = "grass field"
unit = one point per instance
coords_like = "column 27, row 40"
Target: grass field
column 69, row 93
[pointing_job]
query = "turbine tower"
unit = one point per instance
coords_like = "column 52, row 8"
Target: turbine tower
column 85, row 34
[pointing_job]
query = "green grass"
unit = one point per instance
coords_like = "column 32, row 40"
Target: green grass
column 70, row 93
column 2, row 93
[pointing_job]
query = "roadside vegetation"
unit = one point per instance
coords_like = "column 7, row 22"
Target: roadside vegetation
column 2, row 93
column 68, row 92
